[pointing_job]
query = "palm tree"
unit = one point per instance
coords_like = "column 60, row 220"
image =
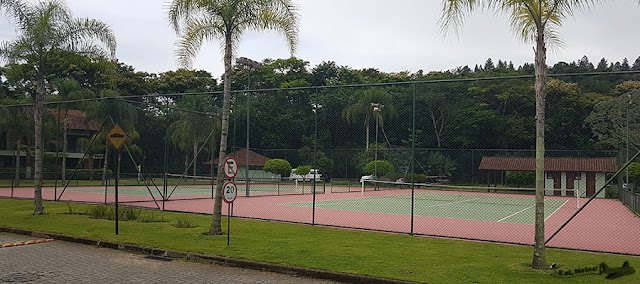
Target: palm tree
column 45, row 28
column 226, row 20
column 121, row 112
column 363, row 109
column 192, row 128
column 535, row 21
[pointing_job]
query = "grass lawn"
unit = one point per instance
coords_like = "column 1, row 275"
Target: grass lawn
column 403, row 257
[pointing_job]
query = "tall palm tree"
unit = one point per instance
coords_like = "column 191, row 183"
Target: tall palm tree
column 535, row 21
column 45, row 28
column 226, row 21
column 362, row 109
column 193, row 128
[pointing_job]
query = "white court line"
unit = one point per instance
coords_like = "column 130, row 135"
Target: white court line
column 445, row 204
column 554, row 212
column 514, row 214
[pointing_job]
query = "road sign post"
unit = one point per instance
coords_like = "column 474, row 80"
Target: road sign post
column 229, row 194
column 117, row 137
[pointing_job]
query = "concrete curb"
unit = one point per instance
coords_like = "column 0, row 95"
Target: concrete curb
column 228, row 261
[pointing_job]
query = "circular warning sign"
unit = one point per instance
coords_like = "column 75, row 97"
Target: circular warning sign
column 230, row 168
column 230, row 191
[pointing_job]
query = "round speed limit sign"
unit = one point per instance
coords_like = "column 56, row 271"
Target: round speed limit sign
column 230, row 191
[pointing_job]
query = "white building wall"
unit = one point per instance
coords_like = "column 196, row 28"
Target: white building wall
column 548, row 185
column 601, row 179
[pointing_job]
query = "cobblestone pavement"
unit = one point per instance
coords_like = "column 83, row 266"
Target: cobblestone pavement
column 62, row 262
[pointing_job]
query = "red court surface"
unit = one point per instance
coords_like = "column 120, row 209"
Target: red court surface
column 605, row 225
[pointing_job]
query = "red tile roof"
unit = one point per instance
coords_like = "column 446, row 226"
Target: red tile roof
column 77, row 120
column 255, row 159
column 600, row 165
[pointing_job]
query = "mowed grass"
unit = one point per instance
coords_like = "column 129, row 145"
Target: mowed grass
column 411, row 258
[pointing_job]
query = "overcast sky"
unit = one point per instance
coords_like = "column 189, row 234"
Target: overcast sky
column 390, row 35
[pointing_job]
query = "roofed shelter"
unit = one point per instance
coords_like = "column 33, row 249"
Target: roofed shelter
column 256, row 163
column 563, row 176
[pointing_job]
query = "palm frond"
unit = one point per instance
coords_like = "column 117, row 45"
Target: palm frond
column 195, row 34
column 14, row 10
column 82, row 30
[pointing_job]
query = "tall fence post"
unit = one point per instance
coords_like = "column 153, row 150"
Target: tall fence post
column 413, row 149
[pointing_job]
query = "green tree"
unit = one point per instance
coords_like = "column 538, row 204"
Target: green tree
column 362, row 109
column 122, row 113
column 610, row 120
column 278, row 166
column 45, row 28
column 439, row 164
column 302, row 170
column 193, row 126
column 226, row 20
column 536, row 21
column 383, row 168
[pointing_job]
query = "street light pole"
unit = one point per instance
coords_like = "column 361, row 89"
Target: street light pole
column 628, row 103
column 376, row 111
column 248, row 65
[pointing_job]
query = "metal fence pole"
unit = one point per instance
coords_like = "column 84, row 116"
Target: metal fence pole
column 413, row 149
column 315, row 154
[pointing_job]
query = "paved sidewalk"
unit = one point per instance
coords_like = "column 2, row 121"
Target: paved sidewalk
column 63, row 262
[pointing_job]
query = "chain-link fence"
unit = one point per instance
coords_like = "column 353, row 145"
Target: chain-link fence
column 448, row 158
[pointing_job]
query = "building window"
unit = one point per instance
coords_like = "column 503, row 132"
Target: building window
column 549, row 175
column 578, row 176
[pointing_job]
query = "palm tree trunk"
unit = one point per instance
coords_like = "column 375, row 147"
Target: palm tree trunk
column 366, row 127
column 105, row 161
column 37, row 114
column 65, row 149
column 18, row 154
column 216, row 224
column 195, row 153
column 539, row 256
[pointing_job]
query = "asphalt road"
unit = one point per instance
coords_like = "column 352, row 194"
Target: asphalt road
column 62, row 262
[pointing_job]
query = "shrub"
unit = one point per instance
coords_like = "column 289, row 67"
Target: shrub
column 72, row 210
column 184, row 221
column 420, row 178
column 441, row 165
column 109, row 213
column 303, row 170
column 612, row 192
column 278, row 166
column 521, row 178
column 634, row 173
column 150, row 217
column 383, row 168
column 101, row 212
column 128, row 213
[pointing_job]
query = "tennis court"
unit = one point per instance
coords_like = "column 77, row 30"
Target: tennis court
column 496, row 208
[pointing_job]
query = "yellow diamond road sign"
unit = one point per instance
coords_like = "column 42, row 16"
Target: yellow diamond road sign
column 117, row 136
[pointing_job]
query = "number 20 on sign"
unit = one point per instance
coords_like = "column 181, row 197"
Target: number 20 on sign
column 230, row 191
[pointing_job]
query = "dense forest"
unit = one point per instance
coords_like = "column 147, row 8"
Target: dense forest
column 488, row 109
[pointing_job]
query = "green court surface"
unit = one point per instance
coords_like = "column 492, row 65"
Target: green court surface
column 498, row 208
column 198, row 190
